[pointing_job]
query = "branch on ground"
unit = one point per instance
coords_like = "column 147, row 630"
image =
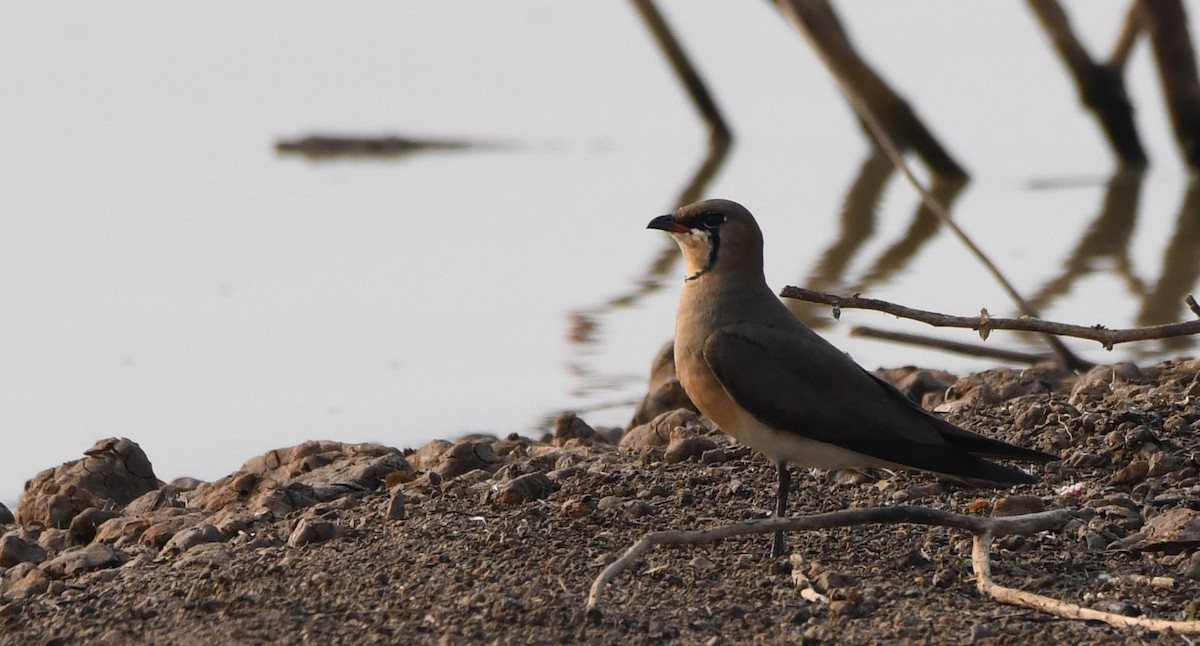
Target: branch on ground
column 983, row 528
column 984, row 323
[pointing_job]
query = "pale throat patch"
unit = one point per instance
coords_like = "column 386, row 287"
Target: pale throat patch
column 696, row 245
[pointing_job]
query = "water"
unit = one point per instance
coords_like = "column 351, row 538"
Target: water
column 166, row 276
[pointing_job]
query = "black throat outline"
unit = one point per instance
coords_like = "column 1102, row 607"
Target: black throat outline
column 714, row 243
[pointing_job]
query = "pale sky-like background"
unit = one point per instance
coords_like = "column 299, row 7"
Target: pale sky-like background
column 166, row 276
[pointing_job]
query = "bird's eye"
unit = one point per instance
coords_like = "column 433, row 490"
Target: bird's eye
column 712, row 220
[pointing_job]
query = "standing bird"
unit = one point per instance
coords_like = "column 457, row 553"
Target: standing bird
column 770, row 382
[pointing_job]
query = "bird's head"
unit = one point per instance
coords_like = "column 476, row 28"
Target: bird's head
column 714, row 236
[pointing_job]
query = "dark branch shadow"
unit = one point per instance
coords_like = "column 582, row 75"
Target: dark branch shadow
column 1107, row 238
column 920, row 231
column 857, row 226
column 1180, row 270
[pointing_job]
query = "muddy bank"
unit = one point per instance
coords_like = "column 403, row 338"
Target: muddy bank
column 498, row 539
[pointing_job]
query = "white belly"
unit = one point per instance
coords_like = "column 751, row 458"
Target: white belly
column 795, row 449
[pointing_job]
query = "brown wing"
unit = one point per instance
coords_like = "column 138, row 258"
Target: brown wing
column 795, row 381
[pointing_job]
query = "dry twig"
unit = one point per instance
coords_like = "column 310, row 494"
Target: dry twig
column 985, row 323
column 984, row 529
column 981, row 563
column 791, row 11
column 1025, row 524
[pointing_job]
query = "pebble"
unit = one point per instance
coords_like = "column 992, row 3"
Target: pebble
column 83, row 526
column 33, row 581
column 14, row 550
column 1017, row 506
column 637, row 509
column 569, row 426
column 1132, row 473
column 682, row 449
column 531, row 486
column 609, row 503
column 395, row 505
column 312, row 530
column 186, row 539
column 576, row 508
column 82, row 559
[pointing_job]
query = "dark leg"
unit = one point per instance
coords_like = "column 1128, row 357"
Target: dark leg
column 781, row 496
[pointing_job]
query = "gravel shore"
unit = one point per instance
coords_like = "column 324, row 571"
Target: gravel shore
column 497, row 540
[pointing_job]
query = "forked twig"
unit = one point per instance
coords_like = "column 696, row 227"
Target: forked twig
column 981, row 564
column 984, row 529
column 889, row 147
column 985, row 323
column 1026, row 524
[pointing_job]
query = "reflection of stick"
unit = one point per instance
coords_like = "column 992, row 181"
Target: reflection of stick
column 684, row 69
column 893, row 152
column 819, row 24
column 968, row 349
column 984, row 323
column 1101, row 87
column 984, row 529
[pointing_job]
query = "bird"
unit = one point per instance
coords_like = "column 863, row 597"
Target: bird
column 766, row 379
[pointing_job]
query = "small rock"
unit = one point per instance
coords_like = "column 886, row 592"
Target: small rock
column 121, row 528
column 981, row 632
column 1018, row 505
column 851, row 477
column 682, row 447
column 83, row 526
column 312, row 530
column 531, row 486
column 715, row 456
column 33, row 581
column 569, row 426
column 828, row 581
column 701, row 562
column 609, row 503
column 186, row 483
column 206, row 555
column 1172, row 531
column 657, row 432
column 1191, row 567
column 114, row 470
column 165, row 497
column 1132, row 473
column 637, row 509
column 395, row 505
column 466, row 456
column 161, row 531
column 82, row 559
column 1162, row 463
column 843, row 608
column 54, row 540
column 186, row 539
column 14, row 550
column 977, row 505
column 576, row 508
column 6, row 516
column 664, row 392
column 565, row 473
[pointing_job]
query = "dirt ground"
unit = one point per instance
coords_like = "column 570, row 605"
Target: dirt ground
column 447, row 557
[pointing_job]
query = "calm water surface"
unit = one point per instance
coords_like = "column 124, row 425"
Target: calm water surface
column 166, row 276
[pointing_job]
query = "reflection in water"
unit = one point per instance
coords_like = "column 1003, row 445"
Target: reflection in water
column 925, row 224
column 858, row 225
column 586, row 323
column 324, row 147
column 1180, row 270
column 1108, row 237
